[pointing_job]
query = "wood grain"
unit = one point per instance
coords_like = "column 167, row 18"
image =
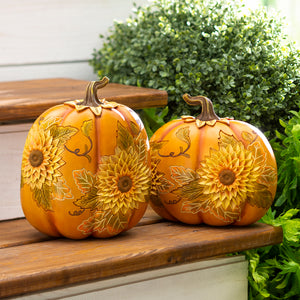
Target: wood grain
column 26, row 100
column 60, row 262
column 20, row 232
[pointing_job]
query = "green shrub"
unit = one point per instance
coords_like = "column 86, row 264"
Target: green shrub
column 274, row 271
column 241, row 61
column 287, row 150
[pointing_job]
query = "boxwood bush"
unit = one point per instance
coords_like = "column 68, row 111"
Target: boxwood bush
column 240, row 59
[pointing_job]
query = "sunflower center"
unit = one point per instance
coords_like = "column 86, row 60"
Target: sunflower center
column 124, row 184
column 36, row 158
column 227, row 177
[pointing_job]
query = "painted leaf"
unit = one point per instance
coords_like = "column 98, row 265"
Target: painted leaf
column 164, row 185
column 100, row 221
column 42, row 197
column 141, row 150
column 156, row 146
column 184, row 135
column 262, row 197
column 117, row 222
column 268, row 176
column 194, row 207
column 135, row 128
column 61, row 190
column 84, row 180
column 182, row 175
column 87, row 127
column 247, row 136
column 227, row 139
column 227, row 215
column 124, row 139
column 86, row 227
column 191, row 191
column 49, row 122
column 62, row 133
column 259, row 155
column 106, row 220
column 89, row 200
column 22, row 179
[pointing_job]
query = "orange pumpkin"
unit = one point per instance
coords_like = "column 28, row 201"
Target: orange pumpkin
column 86, row 168
column 211, row 170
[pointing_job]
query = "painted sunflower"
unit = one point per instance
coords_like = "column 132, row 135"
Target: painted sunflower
column 228, row 177
column 41, row 158
column 123, row 181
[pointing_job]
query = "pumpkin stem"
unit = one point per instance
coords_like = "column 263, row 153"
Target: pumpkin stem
column 91, row 98
column 207, row 112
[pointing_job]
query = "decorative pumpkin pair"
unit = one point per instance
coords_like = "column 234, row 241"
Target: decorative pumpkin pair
column 211, row 170
column 86, row 168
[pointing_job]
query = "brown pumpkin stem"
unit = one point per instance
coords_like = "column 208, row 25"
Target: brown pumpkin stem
column 207, row 112
column 91, row 97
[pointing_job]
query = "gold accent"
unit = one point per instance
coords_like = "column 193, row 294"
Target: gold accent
column 95, row 110
column 201, row 123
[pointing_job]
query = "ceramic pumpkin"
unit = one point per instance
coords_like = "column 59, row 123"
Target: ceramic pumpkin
column 211, row 170
column 86, row 168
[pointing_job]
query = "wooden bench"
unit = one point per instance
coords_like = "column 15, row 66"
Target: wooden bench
column 156, row 259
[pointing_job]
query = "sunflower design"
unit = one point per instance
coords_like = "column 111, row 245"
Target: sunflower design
column 121, row 184
column 42, row 160
column 123, row 181
column 228, row 175
column 227, row 179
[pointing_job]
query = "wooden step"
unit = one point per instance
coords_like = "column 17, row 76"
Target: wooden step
column 31, row 262
column 26, row 100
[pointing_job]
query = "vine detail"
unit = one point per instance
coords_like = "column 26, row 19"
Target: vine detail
column 85, row 129
column 184, row 135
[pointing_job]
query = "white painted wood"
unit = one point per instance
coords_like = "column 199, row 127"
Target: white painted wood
column 54, row 31
column 74, row 70
column 222, row 278
column 12, row 140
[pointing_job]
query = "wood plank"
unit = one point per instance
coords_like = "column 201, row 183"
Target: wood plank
column 60, row 262
column 20, row 232
column 197, row 280
column 25, row 100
